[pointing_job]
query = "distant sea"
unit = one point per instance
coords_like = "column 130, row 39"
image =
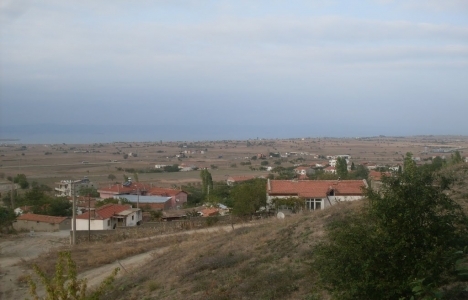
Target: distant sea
column 85, row 134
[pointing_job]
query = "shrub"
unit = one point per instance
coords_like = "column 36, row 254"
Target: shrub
column 65, row 285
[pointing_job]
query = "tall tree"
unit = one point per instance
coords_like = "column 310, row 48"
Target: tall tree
column 249, row 197
column 342, row 167
column 207, row 181
column 456, row 158
column 407, row 235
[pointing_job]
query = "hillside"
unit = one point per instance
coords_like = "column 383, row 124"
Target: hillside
column 268, row 261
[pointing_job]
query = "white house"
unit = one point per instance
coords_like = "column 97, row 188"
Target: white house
column 64, row 187
column 108, row 217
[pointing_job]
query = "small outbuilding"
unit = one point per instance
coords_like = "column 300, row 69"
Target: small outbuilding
column 35, row 222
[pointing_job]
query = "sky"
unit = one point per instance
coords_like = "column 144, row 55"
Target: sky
column 190, row 70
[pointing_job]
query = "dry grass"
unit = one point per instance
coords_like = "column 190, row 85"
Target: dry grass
column 267, row 261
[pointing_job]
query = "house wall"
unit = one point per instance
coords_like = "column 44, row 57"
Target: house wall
column 105, row 195
column 176, row 201
column 82, row 224
column 325, row 201
column 35, row 226
column 133, row 218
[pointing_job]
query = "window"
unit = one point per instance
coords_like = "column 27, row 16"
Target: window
column 108, row 222
column 133, row 217
column 313, row 204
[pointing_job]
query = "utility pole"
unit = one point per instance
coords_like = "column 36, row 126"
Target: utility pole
column 74, row 213
column 12, row 196
column 89, row 218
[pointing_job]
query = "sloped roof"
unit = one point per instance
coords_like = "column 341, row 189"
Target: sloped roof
column 158, row 191
column 122, row 189
column 144, row 199
column 42, row 218
column 377, row 176
column 315, row 188
column 104, row 212
column 208, row 212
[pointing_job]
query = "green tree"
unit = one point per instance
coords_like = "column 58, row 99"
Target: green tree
column 111, row 177
column 409, row 233
column 22, row 181
column 456, row 158
column 207, row 181
column 88, row 191
column 361, row 172
column 65, row 285
column 7, row 216
column 353, row 167
column 248, row 197
column 264, row 163
column 59, row 207
column 341, row 168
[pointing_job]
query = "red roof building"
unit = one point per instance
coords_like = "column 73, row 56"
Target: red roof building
column 318, row 194
column 35, row 222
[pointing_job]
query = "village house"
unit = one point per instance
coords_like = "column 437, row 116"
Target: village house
column 35, row 222
column 317, row 194
column 109, row 216
column 375, row 179
column 155, row 197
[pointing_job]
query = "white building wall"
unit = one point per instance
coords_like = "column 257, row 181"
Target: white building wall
column 82, row 224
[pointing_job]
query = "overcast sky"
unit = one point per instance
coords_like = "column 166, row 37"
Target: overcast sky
column 236, row 68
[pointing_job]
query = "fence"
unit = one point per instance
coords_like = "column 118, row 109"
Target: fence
column 152, row 228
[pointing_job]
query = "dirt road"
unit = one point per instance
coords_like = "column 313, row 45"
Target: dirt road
column 25, row 247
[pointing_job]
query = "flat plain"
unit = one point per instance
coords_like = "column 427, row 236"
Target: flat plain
column 49, row 163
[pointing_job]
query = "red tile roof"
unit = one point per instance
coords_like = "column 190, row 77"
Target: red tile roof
column 42, row 218
column 208, row 212
column 375, row 175
column 104, row 212
column 315, row 188
column 121, row 189
column 157, row 191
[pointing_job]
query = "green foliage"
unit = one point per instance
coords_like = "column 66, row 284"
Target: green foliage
column 207, row 181
column 42, row 187
column 156, row 215
column 112, row 201
column 361, row 172
column 248, row 197
column 59, row 207
column 7, row 216
column 173, row 168
column 22, row 181
column 111, row 177
column 293, row 203
column 341, row 168
column 65, row 285
column 456, row 158
column 88, row 191
column 264, row 163
column 408, row 231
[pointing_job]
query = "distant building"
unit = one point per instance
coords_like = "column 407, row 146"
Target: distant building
column 64, row 187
